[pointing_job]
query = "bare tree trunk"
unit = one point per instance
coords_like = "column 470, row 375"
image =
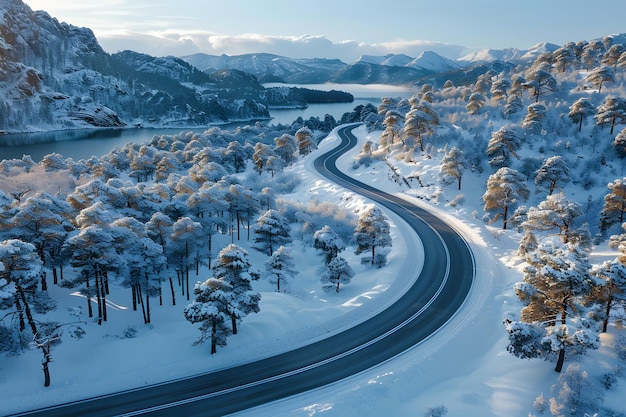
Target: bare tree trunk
column 173, row 293
column 605, row 322
column 55, row 277
column 213, row 337
column 143, row 305
column 44, row 350
column 233, row 320
column 88, row 297
column 187, row 282
column 98, row 299
column 20, row 313
column 106, row 282
column 560, row 361
column 44, row 281
column 147, row 299
column 103, row 297
column 133, row 292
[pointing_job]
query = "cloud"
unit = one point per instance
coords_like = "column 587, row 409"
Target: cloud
column 306, row 46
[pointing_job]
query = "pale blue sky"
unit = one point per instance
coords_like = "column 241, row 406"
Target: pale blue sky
column 342, row 29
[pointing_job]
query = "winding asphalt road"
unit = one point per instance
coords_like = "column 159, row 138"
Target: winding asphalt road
column 439, row 291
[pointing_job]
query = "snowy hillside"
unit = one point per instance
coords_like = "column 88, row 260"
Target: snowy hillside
column 523, row 154
column 547, row 145
column 56, row 76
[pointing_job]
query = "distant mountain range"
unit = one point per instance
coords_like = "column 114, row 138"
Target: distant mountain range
column 395, row 69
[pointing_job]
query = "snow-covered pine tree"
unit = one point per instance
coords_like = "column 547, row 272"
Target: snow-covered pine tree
column 372, row 231
column 210, row 309
column 610, row 289
column 453, row 164
column 579, row 111
column 20, row 267
column 394, row 123
column 44, row 221
column 611, row 112
column 619, row 144
column 338, row 271
column 271, row 230
column 556, row 212
column 419, row 122
column 475, row 103
column 144, row 262
column 540, row 80
column 206, row 207
column 553, row 323
column 280, row 269
column 328, row 242
column 159, row 229
column 233, row 267
column 614, row 204
column 503, row 144
column 553, row 173
column 304, row 138
column 260, row 157
column 286, row 148
column 242, row 205
column 505, row 188
column 600, row 75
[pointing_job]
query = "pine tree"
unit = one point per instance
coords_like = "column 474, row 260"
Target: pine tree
column 304, row 137
column 503, row 144
column 601, row 75
column 186, row 242
column 271, row 230
column 280, row 269
column 611, row 112
column 337, row 272
column 475, row 103
column 619, row 144
column 614, row 205
column 500, row 89
column 555, row 212
column 610, row 291
column 580, row 110
column 556, row 280
column 286, row 148
column 210, row 309
column 233, row 267
column 20, row 267
column 540, row 80
column 419, row 122
column 554, row 171
column 505, row 188
column 329, row 242
column 453, row 164
column 393, row 126
column 44, row 221
column 533, row 121
column 372, row 231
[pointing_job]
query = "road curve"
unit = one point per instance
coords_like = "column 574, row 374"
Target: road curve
column 439, row 291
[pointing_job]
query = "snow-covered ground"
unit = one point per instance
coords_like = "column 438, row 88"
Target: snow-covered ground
column 464, row 366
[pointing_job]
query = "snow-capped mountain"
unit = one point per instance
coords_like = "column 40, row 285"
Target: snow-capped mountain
column 270, row 67
column 368, row 69
column 508, row 54
column 426, row 61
